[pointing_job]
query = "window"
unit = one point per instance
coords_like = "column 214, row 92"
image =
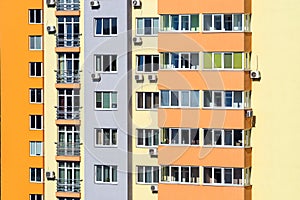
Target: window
column 106, row 100
column 177, row 61
column 182, row 136
column 36, row 122
column 180, row 174
column 180, row 22
column 68, row 177
column 146, row 26
column 35, row 16
column 36, row 95
column 68, row 140
column 35, row 42
column 105, row 26
column 147, row 137
column 226, row 99
column 67, row 5
column 68, row 32
column 227, row 60
column 147, row 174
column 184, row 98
column 36, row 175
column 68, row 68
column 147, row 63
column 68, row 104
column 226, row 22
column 230, row 138
column 106, row 136
column 226, row 176
column 35, row 197
column 106, row 174
column 35, row 69
column 105, row 63
column 36, row 148
column 147, row 100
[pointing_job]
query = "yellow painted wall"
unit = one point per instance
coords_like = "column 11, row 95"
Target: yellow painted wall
column 143, row 119
column 15, row 107
column 275, row 99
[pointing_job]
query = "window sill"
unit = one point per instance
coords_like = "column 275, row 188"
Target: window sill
column 179, row 107
column 180, row 183
column 140, row 183
column 101, row 72
column 114, row 35
column 154, row 35
column 179, row 69
column 151, row 109
column 222, row 185
column 181, row 145
column 140, row 72
column 106, row 146
column 223, row 31
column 106, row 183
column 178, row 31
column 106, row 109
column 146, row 147
column 222, row 108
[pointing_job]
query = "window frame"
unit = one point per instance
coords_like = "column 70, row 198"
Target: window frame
column 166, row 137
column 153, row 131
column 36, row 94
column 35, row 128
column 35, row 197
column 169, row 18
column 144, row 63
column 168, row 177
column 153, row 105
column 144, row 28
column 35, row 39
column 101, row 132
column 33, row 67
column 240, row 105
column 102, row 27
column 179, row 99
column 167, row 61
column 102, row 100
column 111, row 60
column 35, row 178
column 35, row 16
column 111, row 168
column 154, row 169
column 36, row 145
column 222, row 15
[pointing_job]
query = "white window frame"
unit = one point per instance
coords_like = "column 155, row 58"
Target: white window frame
column 35, row 178
column 35, row 13
column 168, row 141
column 100, row 57
column 222, row 22
column 112, row 106
column 110, row 28
column 35, row 39
column 153, row 105
column 33, row 67
column 169, row 62
column 35, row 93
column 152, row 136
column 244, row 142
column 138, row 57
column 35, row 197
column 35, row 118
column 180, row 102
column 110, row 180
column 239, row 105
column 180, row 29
column 34, row 147
column 143, row 170
column 100, row 131
column 143, row 26
column 170, row 179
column 245, row 181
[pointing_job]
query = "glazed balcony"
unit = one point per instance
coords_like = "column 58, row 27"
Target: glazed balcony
column 68, row 185
column 68, row 40
column 67, row 77
column 68, row 149
column 68, row 112
column 64, row 5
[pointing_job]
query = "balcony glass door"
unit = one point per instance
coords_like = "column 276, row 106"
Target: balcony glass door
column 68, row 32
column 68, row 104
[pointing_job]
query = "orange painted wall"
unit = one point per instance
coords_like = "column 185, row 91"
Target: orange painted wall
column 15, row 107
column 204, row 80
column 196, row 192
column 204, row 156
column 204, row 42
column 203, row 118
column 203, row 6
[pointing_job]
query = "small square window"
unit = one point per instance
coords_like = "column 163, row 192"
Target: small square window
column 35, row 69
column 35, row 42
column 36, row 122
column 36, row 175
column 36, row 95
column 35, row 16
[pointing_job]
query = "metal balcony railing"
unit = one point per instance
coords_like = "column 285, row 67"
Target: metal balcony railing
column 68, row 40
column 71, row 5
column 68, row 185
column 67, row 76
column 68, row 149
column 68, row 112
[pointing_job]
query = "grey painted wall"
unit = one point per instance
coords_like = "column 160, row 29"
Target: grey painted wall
column 105, row 119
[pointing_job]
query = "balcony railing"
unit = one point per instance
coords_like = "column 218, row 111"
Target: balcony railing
column 67, row 76
column 68, row 149
column 72, row 5
column 67, row 40
column 68, row 112
column 68, row 185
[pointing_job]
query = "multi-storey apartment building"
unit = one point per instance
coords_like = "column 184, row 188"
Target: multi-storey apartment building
column 149, row 100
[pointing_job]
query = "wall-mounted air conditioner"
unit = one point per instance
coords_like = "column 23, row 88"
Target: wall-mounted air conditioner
column 137, row 40
column 139, row 77
column 136, row 3
column 51, row 29
column 152, row 77
column 96, row 76
column 95, row 4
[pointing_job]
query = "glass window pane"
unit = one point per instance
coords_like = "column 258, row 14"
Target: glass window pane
column 185, row 98
column 237, row 60
column 207, row 99
column 174, row 136
column 98, row 26
column 228, row 137
column 140, row 137
column 218, row 137
column 237, row 24
column 217, row 99
column 165, row 22
column 140, row 175
column 217, row 60
column 155, row 174
column 106, row 26
column 147, row 25
column 148, row 104
column 194, row 98
column 194, row 61
column 164, row 98
column 195, row 22
column 207, row 60
column 98, row 173
column 175, row 60
column 208, row 175
column 208, row 22
column 106, row 100
column 32, row 148
column 228, row 176
column 140, row 61
column 114, row 100
column 228, row 99
column 174, row 22
column 148, row 63
column 38, row 148
column 114, row 174
column 194, row 137
column 155, row 63
column 228, row 22
column 227, row 60
column 207, row 137
column 185, row 174
column 174, row 98
column 148, row 174
column 185, row 23
column 155, row 26
column 185, row 136
column 217, row 22
column 140, row 28
column 238, row 99
column 114, row 27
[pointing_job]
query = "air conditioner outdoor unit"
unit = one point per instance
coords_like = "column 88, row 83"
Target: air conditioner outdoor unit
column 51, row 3
column 153, row 152
column 249, row 113
column 50, row 175
column 137, row 40
column 51, row 29
column 152, row 77
column 255, row 74
column 96, row 76
column 136, row 3
column 154, row 188
column 139, row 77
column 95, row 4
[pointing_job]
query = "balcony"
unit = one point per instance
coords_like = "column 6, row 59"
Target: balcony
column 68, row 149
column 68, row 112
column 68, row 185
column 67, row 77
column 68, row 40
column 63, row 5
